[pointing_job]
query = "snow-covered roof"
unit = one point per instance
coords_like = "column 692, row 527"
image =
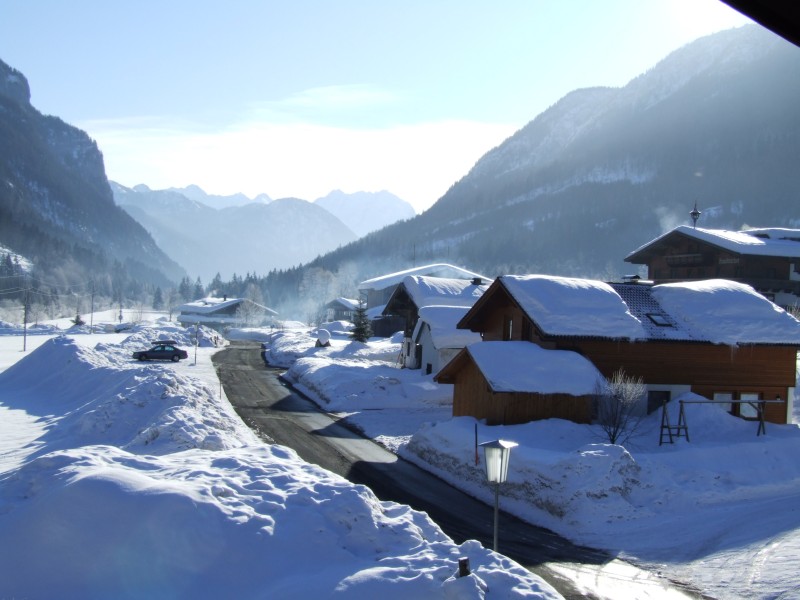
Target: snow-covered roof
column 439, row 291
column 442, row 321
column 717, row 310
column 570, row 306
column 211, row 305
column 526, row 367
column 347, row 303
column 754, row 242
column 726, row 312
column 434, row 270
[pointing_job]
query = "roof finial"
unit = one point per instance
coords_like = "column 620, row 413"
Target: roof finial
column 695, row 214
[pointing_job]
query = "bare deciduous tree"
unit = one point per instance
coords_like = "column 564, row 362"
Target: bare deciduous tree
column 616, row 406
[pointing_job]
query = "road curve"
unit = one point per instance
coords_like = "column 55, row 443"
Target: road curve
column 280, row 415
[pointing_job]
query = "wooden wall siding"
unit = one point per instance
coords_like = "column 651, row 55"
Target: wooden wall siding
column 472, row 397
column 693, row 364
column 494, row 326
column 714, row 262
column 470, row 392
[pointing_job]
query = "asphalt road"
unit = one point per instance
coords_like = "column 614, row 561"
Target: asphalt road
column 280, row 415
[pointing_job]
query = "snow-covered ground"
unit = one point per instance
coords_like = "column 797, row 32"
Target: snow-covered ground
column 121, row 479
column 721, row 513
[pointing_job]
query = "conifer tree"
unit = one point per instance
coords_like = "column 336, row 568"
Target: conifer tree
column 362, row 330
column 158, row 299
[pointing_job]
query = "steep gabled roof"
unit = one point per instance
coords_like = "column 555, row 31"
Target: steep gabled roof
column 773, row 242
column 567, row 306
column 525, row 367
column 435, row 270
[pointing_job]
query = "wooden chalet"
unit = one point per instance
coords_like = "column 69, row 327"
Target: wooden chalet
column 340, row 309
column 716, row 338
column 766, row 259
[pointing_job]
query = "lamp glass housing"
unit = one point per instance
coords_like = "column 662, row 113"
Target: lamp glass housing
column 496, row 455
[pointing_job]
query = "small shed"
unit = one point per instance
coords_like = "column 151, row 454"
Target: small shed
column 515, row 382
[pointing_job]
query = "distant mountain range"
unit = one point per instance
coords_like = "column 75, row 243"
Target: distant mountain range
column 209, row 234
column 365, row 212
column 255, row 237
column 604, row 170
column 194, row 192
column 598, row 174
column 56, row 206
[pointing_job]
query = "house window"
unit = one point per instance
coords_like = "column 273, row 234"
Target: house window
column 508, row 327
column 724, row 397
column 747, row 411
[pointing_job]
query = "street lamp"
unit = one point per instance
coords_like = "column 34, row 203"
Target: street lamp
column 496, row 454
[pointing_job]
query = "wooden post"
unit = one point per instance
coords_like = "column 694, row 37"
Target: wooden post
column 463, row 566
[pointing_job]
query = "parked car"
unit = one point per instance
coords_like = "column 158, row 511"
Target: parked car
column 162, row 350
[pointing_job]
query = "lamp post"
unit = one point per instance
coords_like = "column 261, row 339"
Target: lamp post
column 496, row 454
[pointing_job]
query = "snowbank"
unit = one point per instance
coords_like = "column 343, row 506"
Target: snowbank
column 137, row 481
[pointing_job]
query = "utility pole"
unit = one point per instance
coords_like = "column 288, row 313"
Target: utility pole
column 25, row 317
column 91, row 314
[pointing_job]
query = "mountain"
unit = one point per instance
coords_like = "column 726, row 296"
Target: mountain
column 256, row 237
column 365, row 212
column 604, row 170
column 56, row 206
column 194, row 192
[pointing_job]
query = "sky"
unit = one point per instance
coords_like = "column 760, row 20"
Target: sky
column 301, row 98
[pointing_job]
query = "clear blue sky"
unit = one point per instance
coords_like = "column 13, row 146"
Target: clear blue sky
column 299, row 98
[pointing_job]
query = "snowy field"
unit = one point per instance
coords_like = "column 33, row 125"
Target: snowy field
column 721, row 512
column 121, row 479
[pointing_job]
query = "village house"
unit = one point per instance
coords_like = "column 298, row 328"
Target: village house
column 416, row 292
column 766, row 259
column 377, row 291
column 719, row 339
column 340, row 309
column 222, row 313
column 436, row 339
